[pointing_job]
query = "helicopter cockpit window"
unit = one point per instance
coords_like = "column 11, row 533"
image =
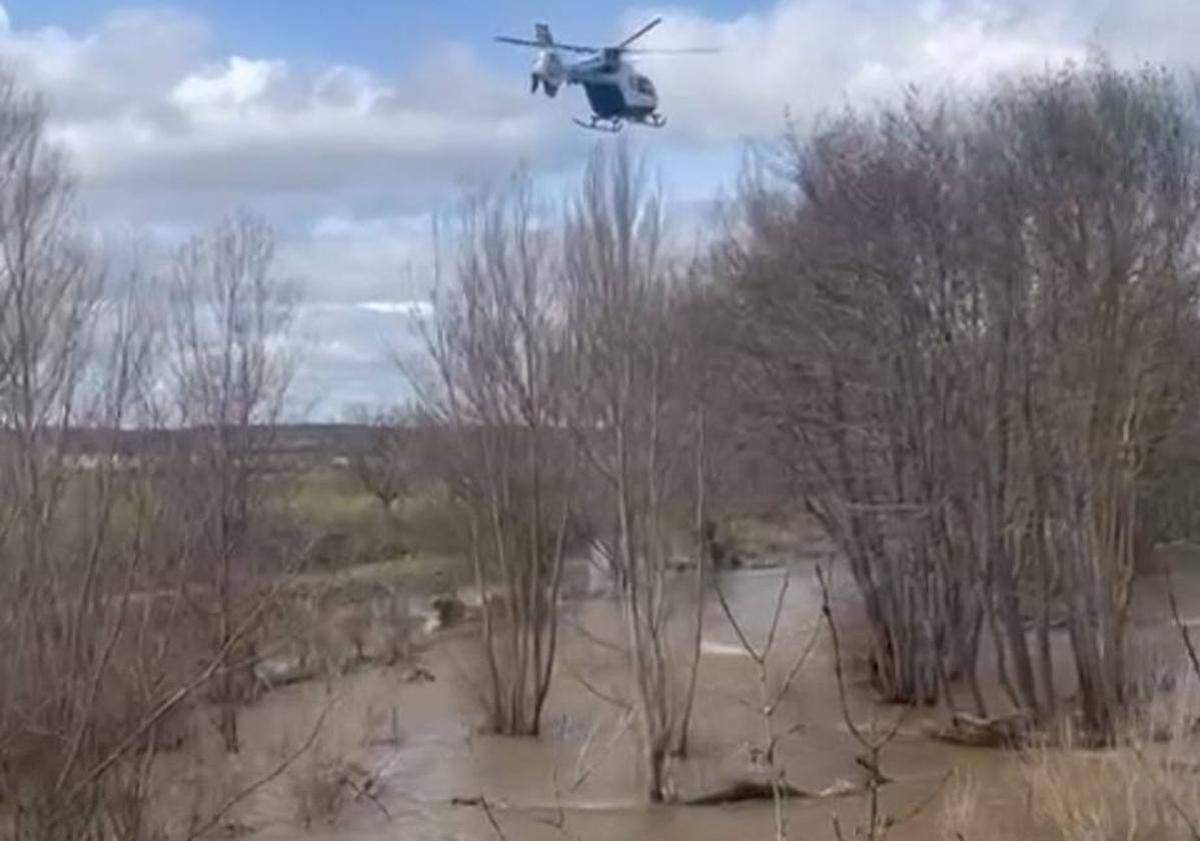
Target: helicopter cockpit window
column 645, row 86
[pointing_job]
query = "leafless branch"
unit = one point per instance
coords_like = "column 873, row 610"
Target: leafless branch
column 267, row 778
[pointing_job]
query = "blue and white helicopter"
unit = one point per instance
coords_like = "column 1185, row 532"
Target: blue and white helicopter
column 616, row 92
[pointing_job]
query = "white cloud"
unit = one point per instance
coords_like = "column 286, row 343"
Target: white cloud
column 121, row 69
column 360, row 259
column 349, row 355
column 810, row 55
column 154, row 120
column 238, row 82
column 414, row 308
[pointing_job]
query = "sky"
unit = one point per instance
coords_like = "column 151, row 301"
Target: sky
column 347, row 124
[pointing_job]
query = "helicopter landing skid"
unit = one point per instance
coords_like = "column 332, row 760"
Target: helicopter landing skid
column 601, row 124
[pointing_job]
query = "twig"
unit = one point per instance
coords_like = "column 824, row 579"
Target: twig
column 560, row 816
column 827, row 613
column 799, row 664
column 360, row 791
column 262, row 781
column 599, row 693
column 872, row 745
column 583, row 631
column 183, row 692
column 768, row 702
column 1172, row 799
column 783, row 588
column 582, row 775
column 158, row 714
column 481, row 800
column 558, row 822
column 737, row 628
column 923, row 804
column 487, row 811
column 1180, row 624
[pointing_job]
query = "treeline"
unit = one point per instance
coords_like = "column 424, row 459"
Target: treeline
column 973, row 323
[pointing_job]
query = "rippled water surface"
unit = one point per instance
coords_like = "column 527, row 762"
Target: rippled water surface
column 581, row 779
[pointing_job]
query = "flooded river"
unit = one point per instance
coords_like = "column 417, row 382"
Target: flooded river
column 582, row 779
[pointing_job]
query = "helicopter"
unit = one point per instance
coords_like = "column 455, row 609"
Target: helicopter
column 616, row 92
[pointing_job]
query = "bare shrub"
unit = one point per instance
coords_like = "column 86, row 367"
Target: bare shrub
column 959, row 817
column 318, row 785
column 496, row 390
column 331, row 770
column 1145, row 787
column 1113, row 795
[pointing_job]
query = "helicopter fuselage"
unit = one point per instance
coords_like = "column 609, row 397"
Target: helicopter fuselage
column 615, row 90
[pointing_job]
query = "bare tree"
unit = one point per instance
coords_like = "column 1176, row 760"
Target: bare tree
column 846, row 316
column 231, row 368
column 497, row 387
column 1105, row 306
column 632, row 415
column 383, row 464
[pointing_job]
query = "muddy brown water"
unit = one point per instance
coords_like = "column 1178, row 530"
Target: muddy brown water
column 581, row 778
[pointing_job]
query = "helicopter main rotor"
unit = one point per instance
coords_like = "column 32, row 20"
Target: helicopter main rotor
column 622, row 47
